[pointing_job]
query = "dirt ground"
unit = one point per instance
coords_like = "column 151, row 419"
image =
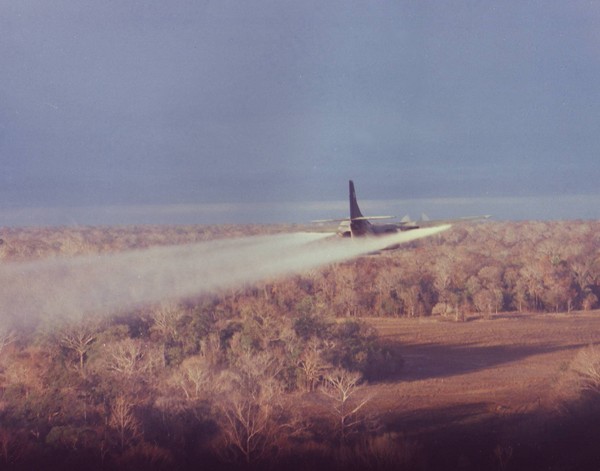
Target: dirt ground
column 494, row 393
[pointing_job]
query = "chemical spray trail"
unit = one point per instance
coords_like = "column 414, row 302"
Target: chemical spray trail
column 63, row 289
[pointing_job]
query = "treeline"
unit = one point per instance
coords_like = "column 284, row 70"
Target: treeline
column 470, row 269
column 479, row 269
column 32, row 243
column 261, row 374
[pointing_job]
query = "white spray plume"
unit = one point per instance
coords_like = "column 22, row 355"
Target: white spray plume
column 69, row 288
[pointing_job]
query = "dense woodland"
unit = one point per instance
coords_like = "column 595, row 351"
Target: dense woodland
column 261, row 374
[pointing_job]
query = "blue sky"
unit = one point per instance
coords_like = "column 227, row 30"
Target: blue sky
column 141, row 103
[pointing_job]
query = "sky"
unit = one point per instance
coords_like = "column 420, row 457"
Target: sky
column 211, row 109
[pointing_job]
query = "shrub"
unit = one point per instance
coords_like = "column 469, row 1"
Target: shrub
column 587, row 365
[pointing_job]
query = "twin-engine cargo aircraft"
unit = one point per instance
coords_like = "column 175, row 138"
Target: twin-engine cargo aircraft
column 358, row 225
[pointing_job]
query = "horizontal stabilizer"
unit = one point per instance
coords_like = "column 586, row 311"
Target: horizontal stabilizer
column 319, row 221
column 364, row 218
column 360, row 218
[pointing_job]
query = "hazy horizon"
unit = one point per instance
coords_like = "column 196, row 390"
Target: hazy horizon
column 507, row 208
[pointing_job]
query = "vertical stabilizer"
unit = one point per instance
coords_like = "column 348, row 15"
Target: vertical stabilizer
column 358, row 225
column 354, row 209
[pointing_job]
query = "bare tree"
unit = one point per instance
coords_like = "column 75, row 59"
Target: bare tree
column 443, row 276
column 385, row 284
column 123, row 420
column 6, row 338
column 311, row 364
column 166, row 318
column 79, row 338
column 211, row 349
column 250, row 410
column 125, row 357
column 193, row 376
column 533, row 279
column 342, row 387
column 26, row 373
column 410, row 294
column 488, row 301
column 249, row 418
column 347, row 298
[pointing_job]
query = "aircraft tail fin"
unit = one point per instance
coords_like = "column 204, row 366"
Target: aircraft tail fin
column 354, row 209
column 358, row 223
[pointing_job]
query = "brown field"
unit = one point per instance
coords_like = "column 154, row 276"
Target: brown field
column 470, row 391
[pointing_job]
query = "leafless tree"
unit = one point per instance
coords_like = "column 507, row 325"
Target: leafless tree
column 26, row 373
column 249, row 418
column 346, row 293
column 311, row 364
column 211, row 349
column 532, row 276
column 125, row 357
column 165, row 319
column 6, row 338
column 410, row 298
column 193, row 376
column 488, row 301
column 123, row 420
column 343, row 388
column 251, row 415
column 79, row 338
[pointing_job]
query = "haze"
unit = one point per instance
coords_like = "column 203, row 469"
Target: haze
column 72, row 288
column 145, row 105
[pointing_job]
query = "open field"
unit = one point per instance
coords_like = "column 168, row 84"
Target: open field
column 469, row 390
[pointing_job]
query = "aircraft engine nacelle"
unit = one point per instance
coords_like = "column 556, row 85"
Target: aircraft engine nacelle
column 344, row 229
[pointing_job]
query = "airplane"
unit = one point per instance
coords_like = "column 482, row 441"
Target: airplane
column 358, row 225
